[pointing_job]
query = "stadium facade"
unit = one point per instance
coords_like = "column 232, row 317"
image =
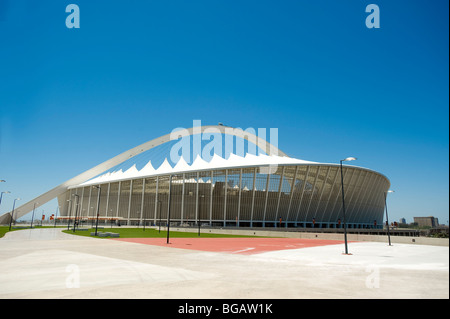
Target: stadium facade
column 268, row 189
column 244, row 191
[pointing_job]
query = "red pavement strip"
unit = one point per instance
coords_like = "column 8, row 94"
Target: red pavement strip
column 245, row 246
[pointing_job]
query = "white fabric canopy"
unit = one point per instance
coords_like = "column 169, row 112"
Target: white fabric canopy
column 217, row 162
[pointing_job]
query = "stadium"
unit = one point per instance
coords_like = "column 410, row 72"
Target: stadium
column 257, row 185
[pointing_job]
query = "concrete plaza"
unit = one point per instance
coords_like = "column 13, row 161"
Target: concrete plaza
column 46, row 263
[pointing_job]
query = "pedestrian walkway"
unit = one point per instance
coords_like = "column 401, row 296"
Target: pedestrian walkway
column 46, row 263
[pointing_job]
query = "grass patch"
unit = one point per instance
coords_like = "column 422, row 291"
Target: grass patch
column 4, row 230
column 151, row 233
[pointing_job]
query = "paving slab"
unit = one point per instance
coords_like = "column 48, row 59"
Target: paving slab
column 46, row 263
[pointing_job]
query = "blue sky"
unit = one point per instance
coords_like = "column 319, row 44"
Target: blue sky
column 135, row 70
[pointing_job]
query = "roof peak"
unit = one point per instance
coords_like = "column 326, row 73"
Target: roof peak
column 216, row 162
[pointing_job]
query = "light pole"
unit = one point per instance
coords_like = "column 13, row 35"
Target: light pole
column 12, row 213
column 76, row 211
column 387, row 218
column 168, row 213
column 32, row 216
column 56, row 215
column 1, row 195
column 159, row 208
column 200, row 202
column 98, row 207
column 343, row 202
column 144, row 215
column 68, row 214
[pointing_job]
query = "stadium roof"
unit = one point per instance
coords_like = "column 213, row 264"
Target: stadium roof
column 217, row 162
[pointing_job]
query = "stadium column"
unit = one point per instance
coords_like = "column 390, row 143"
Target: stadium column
column 107, row 202
column 279, row 194
column 225, row 200
column 291, row 195
column 253, row 197
column 81, row 202
column 301, row 195
column 338, row 200
column 211, row 199
column 361, row 191
column 352, row 190
column 321, row 219
column 129, row 202
column 377, row 199
column 69, row 208
column 169, row 200
column 156, row 199
column 168, row 208
column 142, row 200
column 182, row 199
column 267, row 196
column 333, row 186
column 348, row 191
column 366, row 196
column 311, row 196
column 89, row 202
column 239, row 199
column 367, row 193
column 196, row 199
column 118, row 199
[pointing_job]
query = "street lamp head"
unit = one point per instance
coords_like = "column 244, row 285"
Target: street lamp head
column 2, row 181
column 349, row 159
column 6, row 192
column 18, row 198
column 391, row 191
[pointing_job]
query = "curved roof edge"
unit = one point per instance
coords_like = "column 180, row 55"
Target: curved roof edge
column 199, row 164
column 217, row 163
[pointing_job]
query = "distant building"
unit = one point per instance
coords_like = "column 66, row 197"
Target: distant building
column 426, row 221
column 402, row 221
